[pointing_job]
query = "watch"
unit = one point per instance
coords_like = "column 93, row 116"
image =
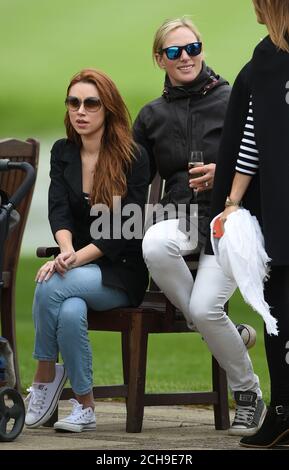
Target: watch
column 229, row 202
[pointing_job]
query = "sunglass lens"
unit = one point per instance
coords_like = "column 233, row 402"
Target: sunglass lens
column 92, row 104
column 72, row 103
column 194, row 49
column 173, row 52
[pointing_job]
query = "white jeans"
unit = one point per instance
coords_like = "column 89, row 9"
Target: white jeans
column 202, row 302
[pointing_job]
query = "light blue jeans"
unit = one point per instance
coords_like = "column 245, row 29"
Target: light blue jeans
column 60, row 320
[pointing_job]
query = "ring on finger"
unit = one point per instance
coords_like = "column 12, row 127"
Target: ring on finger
column 206, row 184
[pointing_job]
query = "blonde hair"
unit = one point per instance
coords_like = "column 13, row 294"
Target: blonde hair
column 275, row 15
column 167, row 27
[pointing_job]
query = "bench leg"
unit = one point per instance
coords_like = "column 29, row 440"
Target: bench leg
column 221, row 410
column 137, row 374
column 125, row 356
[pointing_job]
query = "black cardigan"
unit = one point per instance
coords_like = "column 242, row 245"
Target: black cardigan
column 266, row 77
column 122, row 264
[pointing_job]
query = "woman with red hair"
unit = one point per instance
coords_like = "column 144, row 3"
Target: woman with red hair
column 96, row 163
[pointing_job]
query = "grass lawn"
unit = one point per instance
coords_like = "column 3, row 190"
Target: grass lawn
column 43, row 43
column 177, row 362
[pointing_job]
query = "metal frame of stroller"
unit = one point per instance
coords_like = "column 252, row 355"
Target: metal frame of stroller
column 12, row 411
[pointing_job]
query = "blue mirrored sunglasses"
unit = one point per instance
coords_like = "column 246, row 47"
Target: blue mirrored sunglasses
column 174, row 52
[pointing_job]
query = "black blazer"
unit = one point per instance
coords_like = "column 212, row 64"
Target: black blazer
column 122, row 263
column 265, row 77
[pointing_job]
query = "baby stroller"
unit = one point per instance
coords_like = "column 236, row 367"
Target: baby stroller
column 12, row 411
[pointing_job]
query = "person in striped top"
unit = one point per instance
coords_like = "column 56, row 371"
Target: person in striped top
column 248, row 158
column 256, row 172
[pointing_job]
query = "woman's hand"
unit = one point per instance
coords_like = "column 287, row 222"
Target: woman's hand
column 226, row 213
column 204, row 182
column 45, row 272
column 64, row 261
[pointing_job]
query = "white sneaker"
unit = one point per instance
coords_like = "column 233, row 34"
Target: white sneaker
column 80, row 419
column 248, row 334
column 43, row 398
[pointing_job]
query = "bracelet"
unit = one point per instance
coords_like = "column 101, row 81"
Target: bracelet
column 229, row 202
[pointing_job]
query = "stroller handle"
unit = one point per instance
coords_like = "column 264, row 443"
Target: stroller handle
column 6, row 165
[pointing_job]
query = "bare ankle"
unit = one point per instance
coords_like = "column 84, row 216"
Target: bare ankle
column 45, row 372
column 86, row 401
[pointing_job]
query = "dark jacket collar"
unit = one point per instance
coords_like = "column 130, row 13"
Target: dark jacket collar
column 73, row 170
column 205, row 81
column 267, row 46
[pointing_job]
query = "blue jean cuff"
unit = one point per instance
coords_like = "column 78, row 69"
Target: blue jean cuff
column 83, row 392
column 41, row 358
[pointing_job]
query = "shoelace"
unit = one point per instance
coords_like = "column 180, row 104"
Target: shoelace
column 245, row 414
column 76, row 410
column 37, row 399
column 78, row 413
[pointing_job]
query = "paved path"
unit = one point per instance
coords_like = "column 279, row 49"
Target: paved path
column 169, row 428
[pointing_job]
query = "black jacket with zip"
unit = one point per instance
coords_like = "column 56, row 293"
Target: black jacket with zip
column 183, row 119
column 122, row 264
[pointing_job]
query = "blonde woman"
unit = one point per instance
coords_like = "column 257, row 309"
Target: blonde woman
column 253, row 167
column 189, row 116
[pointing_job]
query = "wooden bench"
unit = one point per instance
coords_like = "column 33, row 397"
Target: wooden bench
column 155, row 315
column 16, row 151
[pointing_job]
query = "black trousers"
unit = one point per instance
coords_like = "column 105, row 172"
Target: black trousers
column 277, row 347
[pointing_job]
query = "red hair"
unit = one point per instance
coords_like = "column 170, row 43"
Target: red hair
column 117, row 145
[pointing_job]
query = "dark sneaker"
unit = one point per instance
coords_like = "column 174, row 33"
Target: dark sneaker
column 250, row 414
column 248, row 334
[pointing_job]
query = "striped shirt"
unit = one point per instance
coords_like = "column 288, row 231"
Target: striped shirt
column 248, row 157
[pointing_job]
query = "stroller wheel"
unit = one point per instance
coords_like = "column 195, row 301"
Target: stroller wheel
column 12, row 414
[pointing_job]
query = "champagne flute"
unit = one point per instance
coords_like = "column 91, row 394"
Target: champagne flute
column 196, row 160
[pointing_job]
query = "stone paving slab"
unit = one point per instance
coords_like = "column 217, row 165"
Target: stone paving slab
column 166, row 428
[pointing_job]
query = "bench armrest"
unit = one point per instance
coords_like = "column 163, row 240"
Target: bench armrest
column 47, row 252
